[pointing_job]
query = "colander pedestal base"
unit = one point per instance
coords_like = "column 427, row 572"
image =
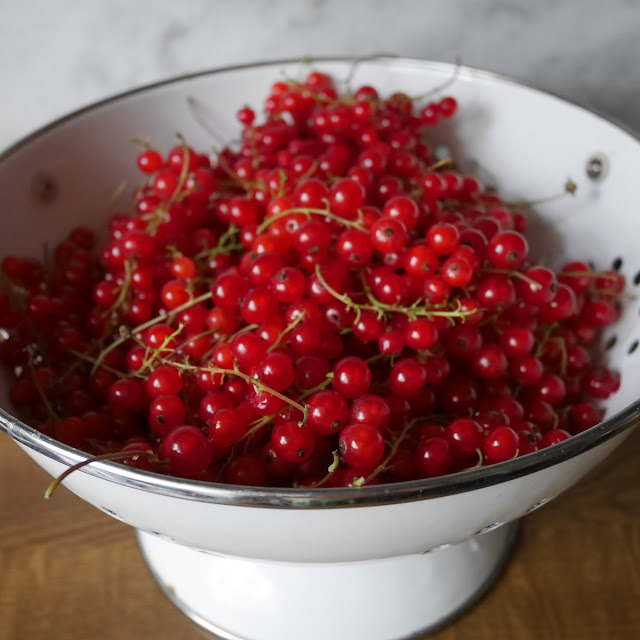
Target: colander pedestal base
column 390, row 599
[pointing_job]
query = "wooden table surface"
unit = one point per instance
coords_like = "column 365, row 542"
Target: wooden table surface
column 69, row 572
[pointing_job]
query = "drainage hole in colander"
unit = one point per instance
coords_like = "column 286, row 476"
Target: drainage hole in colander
column 636, row 279
column 632, row 347
column 617, row 263
column 610, row 343
column 489, row 527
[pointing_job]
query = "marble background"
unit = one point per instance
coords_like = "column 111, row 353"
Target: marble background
column 63, row 54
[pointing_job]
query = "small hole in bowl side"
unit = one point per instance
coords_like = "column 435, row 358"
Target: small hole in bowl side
column 597, row 167
column 611, row 342
column 438, row 548
column 111, row 513
column 632, row 347
column 537, row 505
column 442, row 152
column 489, row 527
column 162, row 536
column 617, row 264
column 44, row 187
column 636, row 279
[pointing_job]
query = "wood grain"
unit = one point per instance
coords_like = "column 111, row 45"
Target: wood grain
column 69, row 572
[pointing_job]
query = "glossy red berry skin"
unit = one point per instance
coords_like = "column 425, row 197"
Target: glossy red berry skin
column 420, row 261
column 448, row 107
column 464, row 341
column 226, row 427
column 583, row 416
column 246, row 116
column 501, row 444
column 351, row 377
column 562, row 306
column 433, row 457
column 128, row 394
column 246, row 470
column 517, row 342
column 465, row 437
column 346, row 197
column 540, row 286
column 490, row 363
column 527, row 370
column 288, row 285
column 150, row 161
column 248, row 350
column 396, row 295
column 165, row 413
column 228, row 290
column 361, row 445
column 164, row 380
column 495, row 291
column 407, row 377
column 276, row 371
column 507, row 250
column 371, row 409
column 601, row 382
column 388, row 235
column 328, row 412
column 187, row 451
column 554, row 436
column 404, row 209
column 443, row 239
column 457, row 271
column 368, row 327
column 436, row 289
column 294, row 443
column 354, row 247
column 421, row 333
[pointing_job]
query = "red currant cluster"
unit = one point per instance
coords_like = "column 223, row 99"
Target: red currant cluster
column 324, row 305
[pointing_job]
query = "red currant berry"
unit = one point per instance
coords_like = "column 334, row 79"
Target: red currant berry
column 501, row 444
column 361, row 445
column 187, row 451
column 351, row 377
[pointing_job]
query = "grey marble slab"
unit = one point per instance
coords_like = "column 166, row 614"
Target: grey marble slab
column 58, row 56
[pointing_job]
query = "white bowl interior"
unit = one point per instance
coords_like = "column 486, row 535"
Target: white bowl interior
column 526, row 142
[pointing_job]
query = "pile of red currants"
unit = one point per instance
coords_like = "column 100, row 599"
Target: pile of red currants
column 322, row 304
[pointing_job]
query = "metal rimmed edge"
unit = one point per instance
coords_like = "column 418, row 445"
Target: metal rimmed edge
column 319, row 498
column 326, row 498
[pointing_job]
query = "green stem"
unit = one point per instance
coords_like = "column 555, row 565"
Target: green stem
column 106, row 456
column 283, row 333
column 311, row 212
column 445, row 85
column 330, row 471
column 570, row 187
column 184, row 171
column 124, row 289
column 382, row 308
column 151, row 354
column 256, row 426
column 304, row 409
column 41, row 393
column 545, row 338
column 384, row 465
column 224, row 245
column 515, row 274
column 440, row 164
column 319, row 387
column 126, row 333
